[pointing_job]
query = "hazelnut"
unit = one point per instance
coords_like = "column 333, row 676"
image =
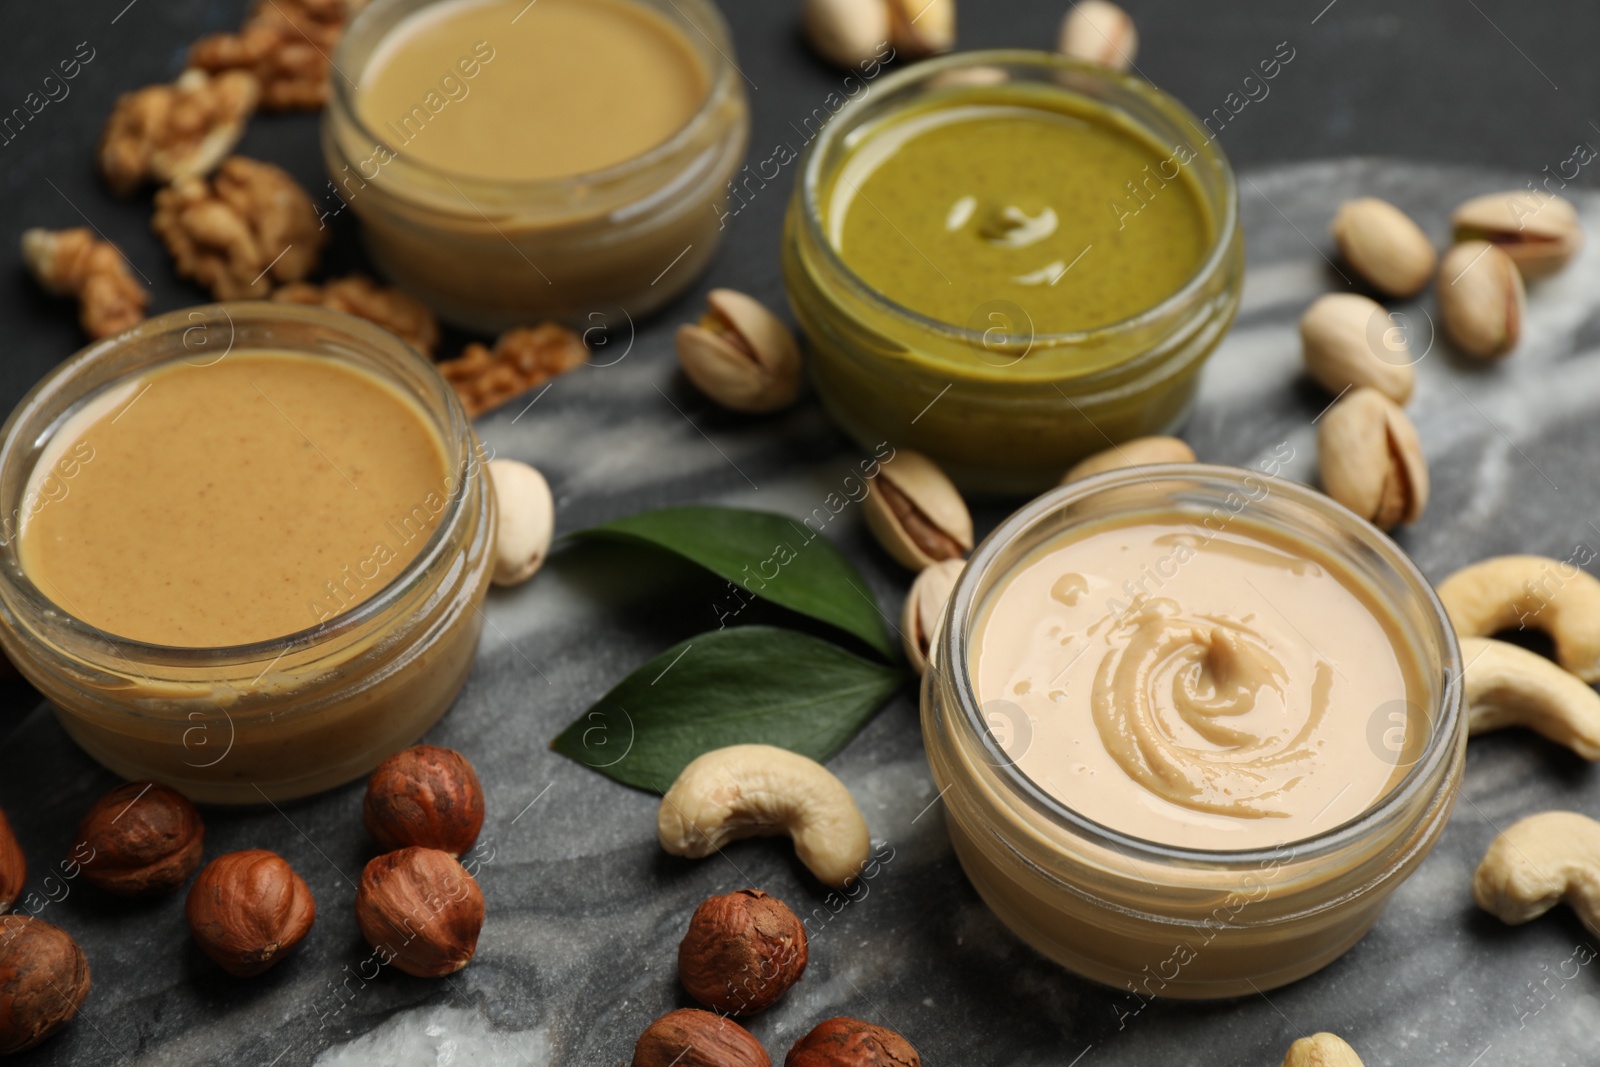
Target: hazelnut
column 13, row 866
column 424, row 797
column 248, row 910
column 742, row 952
column 142, row 839
column 690, row 1037
column 43, row 980
column 422, row 909
column 846, row 1042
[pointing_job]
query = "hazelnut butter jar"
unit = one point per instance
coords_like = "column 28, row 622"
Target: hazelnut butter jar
column 245, row 548
column 1001, row 259
column 512, row 162
column 1192, row 726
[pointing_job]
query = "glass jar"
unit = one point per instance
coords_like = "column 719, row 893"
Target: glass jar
column 276, row 719
column 1163, row 920
column 1001, row 408
column 492, row 254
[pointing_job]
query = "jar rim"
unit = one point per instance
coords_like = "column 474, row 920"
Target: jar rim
column 953, row 655
column 455, row 435
column 723, row 70
column 1216, row 258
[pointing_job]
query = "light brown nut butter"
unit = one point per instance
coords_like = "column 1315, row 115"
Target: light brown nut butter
column 1371, row 459
column 740, row 354
column 1541, row 233
column 422, row 910
column 690, row 1037
column 248, row 228
column 916, row 512
column 1381, row 244
column 165, row 132
column 743, row 952
column 78, row 264
column 1348, row 342
column 522, row 359
column 845, row 1042
column 400, row 313
column 1506, row 685
column 140, row 840
column 44, row 978
column 923, row 613
column 1530, row 592
column 249, row 910
column 13, row 867
column 1100, row 32
column 1481, row 299
column 1544, row 860
column 527, row 521
column 1321, row 1050
column 424, row 796
column 1139, row 452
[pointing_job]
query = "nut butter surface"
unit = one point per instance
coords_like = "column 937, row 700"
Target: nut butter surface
column 1209, row 689
column 518, row 91
column 208, row 505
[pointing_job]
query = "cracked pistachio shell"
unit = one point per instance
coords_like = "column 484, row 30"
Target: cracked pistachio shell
column 916, row 512
column 526, row 523
column 920, row 28
column 1348, row 342
column 1099, row 32
column 1371, row 459
column 846, row 33
column 740, row 354
column 923, row 613
column 1481, row 299
column 1540, row 236
column 1139, row 452
column 1381, row 243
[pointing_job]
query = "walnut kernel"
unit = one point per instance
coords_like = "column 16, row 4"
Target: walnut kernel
column 77, row 263
column 522, row 359
column 165, row 132
column 400, row 314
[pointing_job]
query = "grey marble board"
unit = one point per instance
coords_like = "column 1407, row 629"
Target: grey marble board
column 585, row 911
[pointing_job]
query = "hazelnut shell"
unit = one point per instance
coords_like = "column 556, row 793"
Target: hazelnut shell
column 742, row 952
column 422, row 909
column 424, row 797
column 845, row 1042
column 689, row 1037
column 13, row 866
column 44, row 978
column 142, row 839
column 248, row 910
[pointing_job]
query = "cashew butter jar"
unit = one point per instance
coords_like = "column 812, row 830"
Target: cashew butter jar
column 513, row 161
column 1192, row 726
column 1003, row 258
column 245, row 548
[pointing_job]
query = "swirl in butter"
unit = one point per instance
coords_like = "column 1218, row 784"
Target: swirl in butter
column 1208, row 688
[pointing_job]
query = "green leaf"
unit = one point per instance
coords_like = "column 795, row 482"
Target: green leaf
column 772, row 556
column 752, row 684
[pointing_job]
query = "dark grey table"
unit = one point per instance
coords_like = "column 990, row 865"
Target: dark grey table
column 584, row 909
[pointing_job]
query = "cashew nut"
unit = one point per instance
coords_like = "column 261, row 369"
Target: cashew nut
column 1321, row 1050
column 1538, row 863
column 1510, row 686
column 764, row 791
column 1516, row 592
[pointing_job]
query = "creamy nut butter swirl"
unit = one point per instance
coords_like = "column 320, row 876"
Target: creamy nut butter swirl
column 1191, row 686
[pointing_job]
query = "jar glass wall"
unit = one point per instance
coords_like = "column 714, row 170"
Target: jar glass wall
column 1161, row 920
column 1001, row 406
column 489, row 254
column 279, row 718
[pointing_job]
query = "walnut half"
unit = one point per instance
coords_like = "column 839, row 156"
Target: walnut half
column 77, row 263
column 400, row 314
column 164, row 132
column 247, row 228
column 522, row 359
column 284, row 43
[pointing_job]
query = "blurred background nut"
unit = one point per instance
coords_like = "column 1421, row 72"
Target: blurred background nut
column 1321, row 1050
column 845, row 1042
column 44, row 978
column 425, row 796
column 421, row 908
column 78, row 264
column 1481, row 299
column 140, row 839
column 742, row 952
column 1381, row 244
column 1139, row 452
column 1540, row 232
column 740, row 354
column 916, row 512
column 522, row 359
column 923, row 613
column 689, row 1037
column 13, row 867
column 165, row 132
column 526, row 524
column 286, row 44
column 1099, row 32
column 1347, row 342
column 249, row 910
column 400, row 313
column 921, row 28
column 847, row 33
column 1371, row 459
